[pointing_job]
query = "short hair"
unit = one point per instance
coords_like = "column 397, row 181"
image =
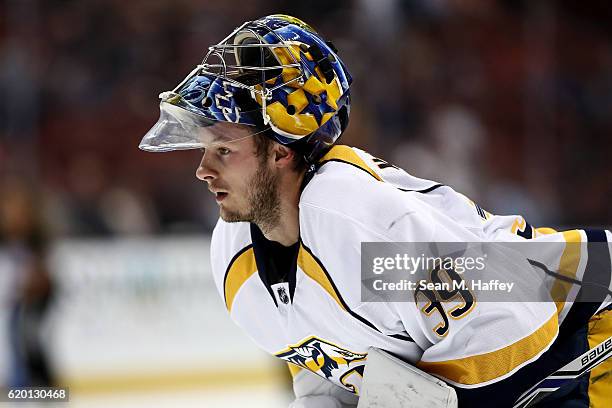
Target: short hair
column 263, row 146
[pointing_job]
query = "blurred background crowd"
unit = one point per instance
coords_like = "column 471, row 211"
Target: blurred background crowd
column 510, row 102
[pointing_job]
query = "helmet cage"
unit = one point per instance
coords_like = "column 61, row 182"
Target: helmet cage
column 250, row 77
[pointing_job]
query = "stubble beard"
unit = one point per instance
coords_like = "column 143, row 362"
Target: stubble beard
column 263, row 201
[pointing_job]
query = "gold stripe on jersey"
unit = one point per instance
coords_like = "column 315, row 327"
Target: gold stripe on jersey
column 568, row 266
column 489, row 366
column 240, row 269
column 600, row 379
column 313, row 269
column 345, row 154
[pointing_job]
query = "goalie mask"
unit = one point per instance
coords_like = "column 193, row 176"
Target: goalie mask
column 274, row 74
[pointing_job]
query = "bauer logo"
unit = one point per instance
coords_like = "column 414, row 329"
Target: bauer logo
column 337, row 364
column 601, row 349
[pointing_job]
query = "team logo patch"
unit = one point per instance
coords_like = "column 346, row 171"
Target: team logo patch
column 328, row 360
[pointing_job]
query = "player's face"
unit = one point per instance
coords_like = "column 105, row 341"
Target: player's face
column 244, row 184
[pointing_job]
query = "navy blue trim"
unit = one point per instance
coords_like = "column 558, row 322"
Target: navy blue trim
column 504, row 393
column 262, row 259
column 595, row 283
column 401, row 337
column 556, row 275
column 423, row 191
column 573, row 393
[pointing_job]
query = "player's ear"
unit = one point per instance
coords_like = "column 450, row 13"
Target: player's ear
column 283, row 155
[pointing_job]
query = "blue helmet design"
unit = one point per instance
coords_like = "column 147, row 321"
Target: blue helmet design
column 275, row 72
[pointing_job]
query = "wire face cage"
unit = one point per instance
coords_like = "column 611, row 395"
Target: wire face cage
column 246, row 59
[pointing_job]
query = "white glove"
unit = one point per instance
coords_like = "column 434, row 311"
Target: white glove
column 313, row 391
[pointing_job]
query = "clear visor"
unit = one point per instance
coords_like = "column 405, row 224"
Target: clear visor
column 225, row 96
column 180, row 129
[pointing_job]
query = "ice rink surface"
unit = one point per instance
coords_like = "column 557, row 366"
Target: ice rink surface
column 262, row 396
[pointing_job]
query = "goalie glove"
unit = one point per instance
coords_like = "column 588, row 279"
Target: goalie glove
column 392, row 383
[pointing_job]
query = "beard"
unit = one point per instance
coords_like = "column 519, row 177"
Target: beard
column 262, row 199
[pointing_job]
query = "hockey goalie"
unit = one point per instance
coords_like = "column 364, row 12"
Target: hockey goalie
column 266, row 108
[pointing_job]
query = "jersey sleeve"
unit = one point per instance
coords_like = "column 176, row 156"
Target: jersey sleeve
column 457, row 218
column 486, row 343
column 454, row 204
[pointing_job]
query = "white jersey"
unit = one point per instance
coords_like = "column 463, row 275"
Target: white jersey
column 317, row 319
